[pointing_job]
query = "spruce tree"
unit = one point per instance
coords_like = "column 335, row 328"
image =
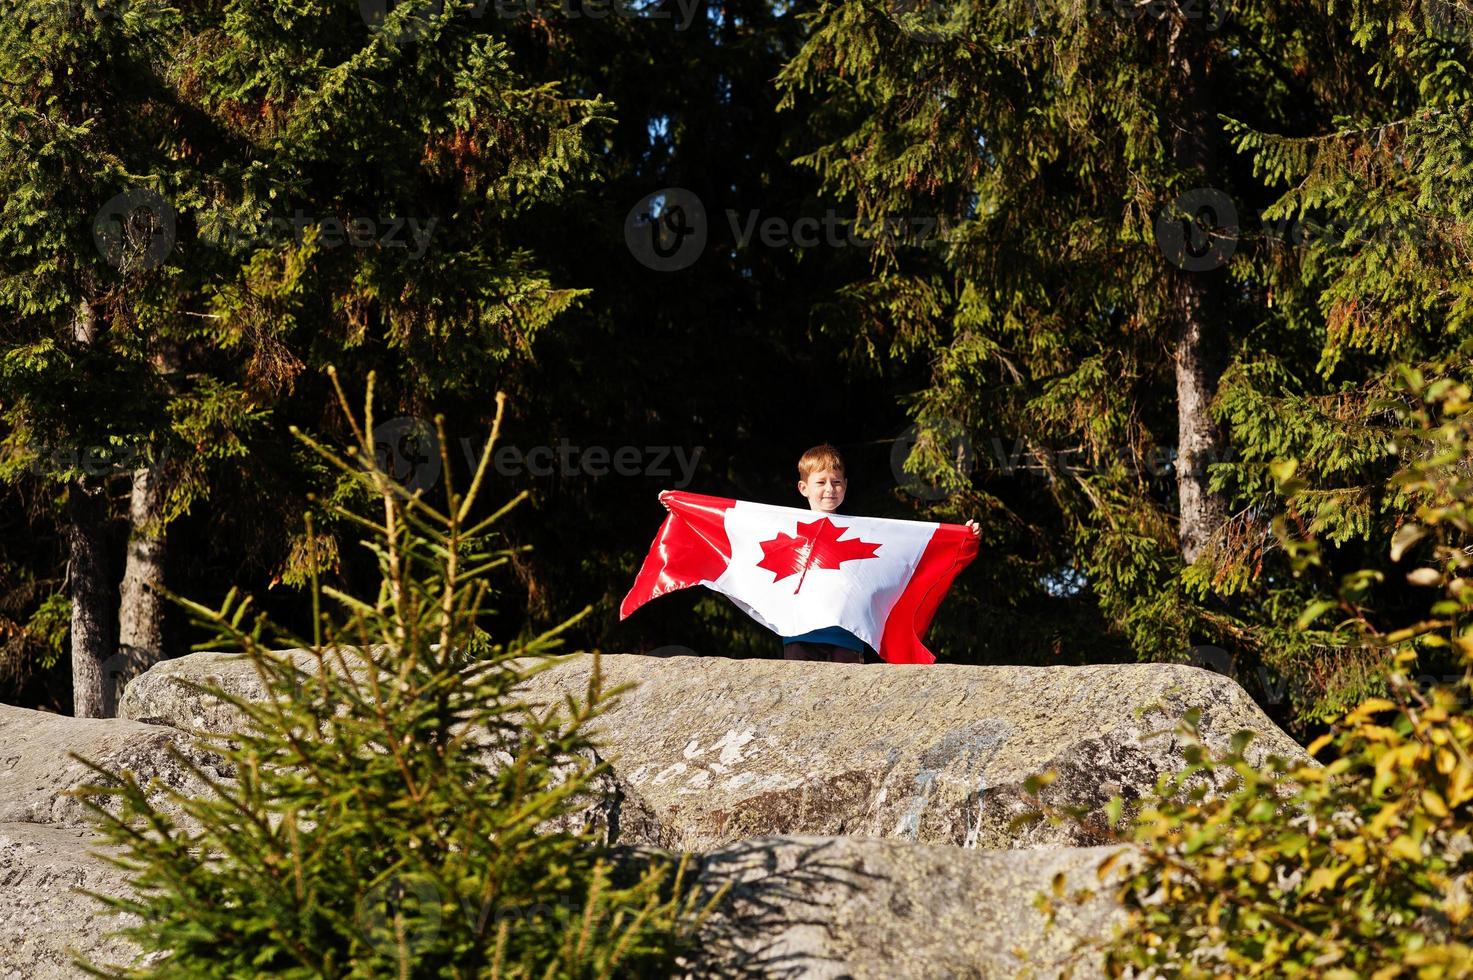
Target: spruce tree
column 1116, row 297
column 397, row 805
column 202, row 204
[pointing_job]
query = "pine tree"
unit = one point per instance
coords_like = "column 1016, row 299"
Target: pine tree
column 396, row 805
column 202, row 204
column 1114, row 285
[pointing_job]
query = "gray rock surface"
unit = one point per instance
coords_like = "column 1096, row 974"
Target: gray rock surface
column 811, row 907
column 37, row 773
column 43, row 917
column 709, row 750
column 831, row 907
column 720, row 750
column 861, row 811
column 166, row 693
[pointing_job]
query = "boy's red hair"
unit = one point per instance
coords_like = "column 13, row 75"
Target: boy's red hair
column 824, row 457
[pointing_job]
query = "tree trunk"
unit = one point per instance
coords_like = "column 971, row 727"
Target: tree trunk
column 91, row 585
column 92, row 636
column 1202, row 307
column 1200, row 441
column 140, row 607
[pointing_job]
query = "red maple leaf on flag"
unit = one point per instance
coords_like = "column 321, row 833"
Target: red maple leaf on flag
column 816, row 546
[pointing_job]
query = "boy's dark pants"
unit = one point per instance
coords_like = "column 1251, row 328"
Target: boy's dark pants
column 821, row 651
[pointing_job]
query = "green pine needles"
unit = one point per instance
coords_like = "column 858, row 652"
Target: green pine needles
column 398, row 808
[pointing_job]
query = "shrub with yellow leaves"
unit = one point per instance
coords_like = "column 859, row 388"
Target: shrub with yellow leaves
column 1356, row 865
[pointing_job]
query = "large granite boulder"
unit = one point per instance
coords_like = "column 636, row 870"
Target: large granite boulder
column 810, row 907
column 861, row 812
column 831, row 907
column 38, row 776
column 720, row 750
column 168, row 692
column 44, row 917
column 709, row 750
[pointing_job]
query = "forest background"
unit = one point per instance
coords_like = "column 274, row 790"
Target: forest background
column 1130, row 283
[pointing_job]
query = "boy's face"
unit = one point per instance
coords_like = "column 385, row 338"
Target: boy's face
column 824, row 490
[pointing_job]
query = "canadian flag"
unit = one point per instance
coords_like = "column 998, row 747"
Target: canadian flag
column 798, row 570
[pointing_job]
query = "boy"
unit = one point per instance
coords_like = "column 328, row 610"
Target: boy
column 821, row 482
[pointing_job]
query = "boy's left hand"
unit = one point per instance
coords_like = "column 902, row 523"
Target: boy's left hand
column 976, row 528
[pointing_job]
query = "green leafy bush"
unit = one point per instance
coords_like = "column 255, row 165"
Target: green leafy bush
column 397, row 808
column 1357, row 867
